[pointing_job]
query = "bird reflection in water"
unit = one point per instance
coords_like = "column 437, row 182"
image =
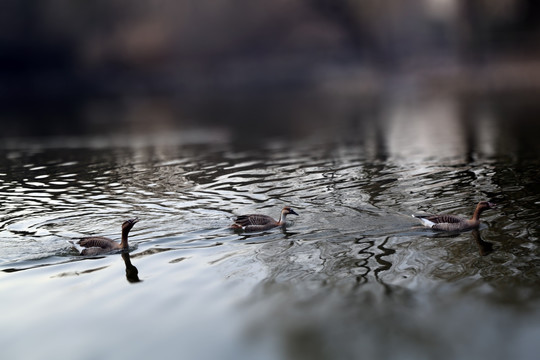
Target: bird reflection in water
column 484, row 247
column 132, row 274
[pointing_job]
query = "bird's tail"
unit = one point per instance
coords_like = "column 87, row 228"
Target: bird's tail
column 73, row 243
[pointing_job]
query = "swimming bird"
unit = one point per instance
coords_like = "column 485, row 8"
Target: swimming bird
column 257, row 222
column 455, row 223
column 95, row 245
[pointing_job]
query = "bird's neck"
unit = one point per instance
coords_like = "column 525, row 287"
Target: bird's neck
column 477, row 212
column 124, row 242
column 282, row 218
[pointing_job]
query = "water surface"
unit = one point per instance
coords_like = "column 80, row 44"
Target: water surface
column 354, row 276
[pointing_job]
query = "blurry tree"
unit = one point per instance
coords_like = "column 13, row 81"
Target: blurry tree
column 57, row 54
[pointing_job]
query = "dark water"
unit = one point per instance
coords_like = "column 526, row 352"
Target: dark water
column 354, row 276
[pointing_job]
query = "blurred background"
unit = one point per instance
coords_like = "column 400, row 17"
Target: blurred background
column 285, row 68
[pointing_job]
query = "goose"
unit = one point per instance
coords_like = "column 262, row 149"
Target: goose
column 455, row 223
column 95, row 245
column 257, row 222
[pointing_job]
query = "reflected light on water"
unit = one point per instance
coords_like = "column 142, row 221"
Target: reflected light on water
column 352, row 275
column 426, row 130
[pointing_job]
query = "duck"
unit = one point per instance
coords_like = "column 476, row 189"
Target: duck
column 258, row 222
column 455, row 223
column 96, row 245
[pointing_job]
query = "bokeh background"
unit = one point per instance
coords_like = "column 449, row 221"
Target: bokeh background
column 278, row 68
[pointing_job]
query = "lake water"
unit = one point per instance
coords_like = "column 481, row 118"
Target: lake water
column 354, row 276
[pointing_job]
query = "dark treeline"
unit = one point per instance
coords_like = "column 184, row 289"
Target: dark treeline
column 57, row 56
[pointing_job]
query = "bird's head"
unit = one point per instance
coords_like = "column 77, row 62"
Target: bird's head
column 128, row 224
column 288, row 210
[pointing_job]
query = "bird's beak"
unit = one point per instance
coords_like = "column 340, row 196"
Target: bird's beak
column 134, row 221
column 492, row 205
column 291, row 211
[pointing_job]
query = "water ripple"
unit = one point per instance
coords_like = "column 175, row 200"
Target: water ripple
column 354, row 211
